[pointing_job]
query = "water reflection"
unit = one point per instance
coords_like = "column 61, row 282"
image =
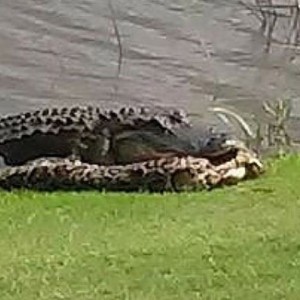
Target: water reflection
column 175, row 53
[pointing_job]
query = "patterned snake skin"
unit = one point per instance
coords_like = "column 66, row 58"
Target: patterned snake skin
column 164, row 174
column 129, row 149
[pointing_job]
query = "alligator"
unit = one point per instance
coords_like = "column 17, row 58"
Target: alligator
column 105, row 137
column 125, row 149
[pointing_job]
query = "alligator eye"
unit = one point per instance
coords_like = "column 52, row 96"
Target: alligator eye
column 210, row 141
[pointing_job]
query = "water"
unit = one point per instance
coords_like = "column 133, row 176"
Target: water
column 175, row 53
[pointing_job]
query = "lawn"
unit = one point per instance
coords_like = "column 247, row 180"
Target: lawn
column 239, row 242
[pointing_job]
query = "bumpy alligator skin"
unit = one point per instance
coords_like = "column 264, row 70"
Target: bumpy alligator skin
column 164, row 174
column 105, row 137
column 88, row 133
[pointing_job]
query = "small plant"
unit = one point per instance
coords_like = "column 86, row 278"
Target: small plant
column 276, row 129
column 272, row 136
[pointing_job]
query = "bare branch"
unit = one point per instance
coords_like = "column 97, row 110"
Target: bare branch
column 253, row 10
column 243, row 124
column 118, row 36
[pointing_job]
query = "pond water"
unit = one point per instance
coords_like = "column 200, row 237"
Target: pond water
column 182, row 53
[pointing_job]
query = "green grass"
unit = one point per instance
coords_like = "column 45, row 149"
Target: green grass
column 240, row 242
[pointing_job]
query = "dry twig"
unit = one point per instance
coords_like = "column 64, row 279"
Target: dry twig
column 120, row 47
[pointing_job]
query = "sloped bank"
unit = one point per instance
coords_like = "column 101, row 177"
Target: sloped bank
column 239, row 242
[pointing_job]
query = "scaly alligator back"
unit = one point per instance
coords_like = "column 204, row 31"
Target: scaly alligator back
column 85, row 132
